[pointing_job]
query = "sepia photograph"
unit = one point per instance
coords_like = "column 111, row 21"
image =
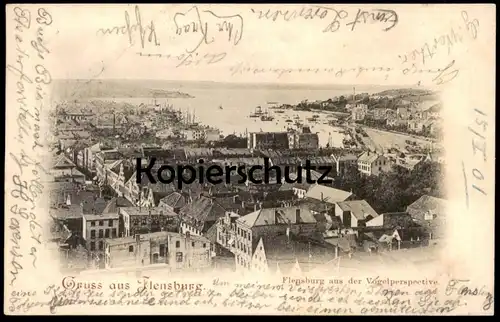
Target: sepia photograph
column 167, row 159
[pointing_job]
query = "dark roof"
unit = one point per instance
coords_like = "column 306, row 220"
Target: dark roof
column 202, row 210
column 174, row 200
column 286, row 251
column 115, row 203
column 211, row 233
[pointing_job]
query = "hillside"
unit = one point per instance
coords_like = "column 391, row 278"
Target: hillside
column 77, row 89
column 411, row 94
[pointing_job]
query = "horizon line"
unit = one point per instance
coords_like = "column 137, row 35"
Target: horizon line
column 249, row 83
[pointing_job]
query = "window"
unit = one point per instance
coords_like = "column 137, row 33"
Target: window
column 110, row 223
column 192, row 244
column 106, row 234
column 101, row 245
column 101, row 233
column 92, row 246
column 130, row 249
column 92, row 223
column 114, row 233
column 177, row 244
column 162, row 250
column 92, row 234
column 178, row 257
column 204, row 245
column 101, row 222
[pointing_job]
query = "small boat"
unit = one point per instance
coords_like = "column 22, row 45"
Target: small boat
column 220, row 107
column 289, row 121
column 279, row 111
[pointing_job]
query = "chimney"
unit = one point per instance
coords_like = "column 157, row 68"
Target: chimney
column 321, row 196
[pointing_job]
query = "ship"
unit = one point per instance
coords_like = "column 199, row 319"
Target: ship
column 258, row 112
column 220, row 107
column 266, row 117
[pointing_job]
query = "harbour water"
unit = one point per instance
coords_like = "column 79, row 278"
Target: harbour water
column 238, row 102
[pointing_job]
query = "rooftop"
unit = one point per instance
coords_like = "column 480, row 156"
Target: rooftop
column 276, row 216
column 358, row 208
column 145, row 237
column 327, row 194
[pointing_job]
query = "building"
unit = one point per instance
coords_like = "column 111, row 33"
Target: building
column 359, row 112
column 409, row 232
column 267, row 140
column 380, row 113
column 68, row 116
column 104, row 158
column 117, row 174
column 212, row 135
column 268, row 222
column 416, row 125
column 327, row 194
column 197, row 217
column 403, row 113
column 304, row 140
column 371, row 163
column 430, row 213
column 343, row 163
column 354, row 213
column 64, row 170
column 173, row 202
column 96, row 228
column 226, row 231
column 288, row 255
column 137, row 220
column 194, row 133
column 178, row 251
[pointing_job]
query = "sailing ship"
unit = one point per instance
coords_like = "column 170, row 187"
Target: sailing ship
column 266, row 117
column 258, row 112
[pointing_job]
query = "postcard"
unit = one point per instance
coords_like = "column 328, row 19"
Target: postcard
column 249, row 159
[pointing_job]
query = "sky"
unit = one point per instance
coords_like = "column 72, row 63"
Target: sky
column 258, row 50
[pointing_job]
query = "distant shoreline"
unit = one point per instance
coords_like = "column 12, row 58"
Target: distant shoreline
column 211, row 84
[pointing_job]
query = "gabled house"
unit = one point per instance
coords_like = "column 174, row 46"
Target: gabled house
column 371, row 163
column 173, row 202
column 354, row 213
column 269, row 222
column 197, row 217
column 327, row 194
column 287, row 255
column 430, row 213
